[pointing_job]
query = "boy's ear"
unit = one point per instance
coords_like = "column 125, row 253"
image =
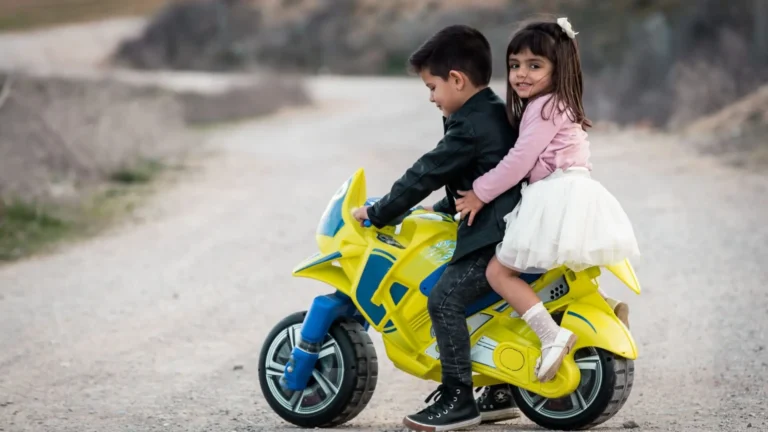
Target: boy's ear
column 457, row 79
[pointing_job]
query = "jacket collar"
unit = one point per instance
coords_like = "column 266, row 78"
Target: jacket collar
column 479, row 98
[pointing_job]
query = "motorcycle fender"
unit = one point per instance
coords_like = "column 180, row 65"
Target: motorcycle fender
column 598, row 328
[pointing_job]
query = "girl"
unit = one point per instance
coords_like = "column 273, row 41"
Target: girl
column 565, row 217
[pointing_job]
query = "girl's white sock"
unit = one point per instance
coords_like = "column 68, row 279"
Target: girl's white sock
column 542, row 324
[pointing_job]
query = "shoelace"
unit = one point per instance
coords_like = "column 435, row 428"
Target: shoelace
column 484, row 395
column 442, row 401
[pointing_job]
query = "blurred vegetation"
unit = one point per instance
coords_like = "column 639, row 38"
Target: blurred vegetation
column 29, row 227
column 141, row 172
column 24, row 228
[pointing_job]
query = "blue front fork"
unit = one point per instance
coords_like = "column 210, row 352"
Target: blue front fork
column 321, row 315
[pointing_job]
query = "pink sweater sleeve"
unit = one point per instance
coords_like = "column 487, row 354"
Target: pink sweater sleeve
column 535, row 134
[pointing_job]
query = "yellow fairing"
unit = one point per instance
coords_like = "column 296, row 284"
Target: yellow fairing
column 388, row 273
column 626, row 274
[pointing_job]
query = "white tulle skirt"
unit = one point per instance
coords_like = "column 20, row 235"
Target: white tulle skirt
column 568, row 219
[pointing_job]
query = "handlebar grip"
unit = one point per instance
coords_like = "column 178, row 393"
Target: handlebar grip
column 367, row 223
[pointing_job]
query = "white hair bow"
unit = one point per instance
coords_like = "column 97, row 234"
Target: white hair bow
column 566, row 26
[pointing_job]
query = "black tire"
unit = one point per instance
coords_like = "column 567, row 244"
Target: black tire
column 617, row 377
column 359, row 375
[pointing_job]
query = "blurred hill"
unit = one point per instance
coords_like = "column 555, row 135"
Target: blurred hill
column 663, row 62
column 737, row 133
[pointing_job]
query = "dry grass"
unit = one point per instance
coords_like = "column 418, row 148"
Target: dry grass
column 28, row 228
column 28, row 14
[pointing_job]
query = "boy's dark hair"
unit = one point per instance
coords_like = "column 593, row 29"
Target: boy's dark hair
column 457, row 47
column 547, row 39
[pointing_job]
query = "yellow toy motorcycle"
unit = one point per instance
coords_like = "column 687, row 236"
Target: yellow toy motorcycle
column 318, row 368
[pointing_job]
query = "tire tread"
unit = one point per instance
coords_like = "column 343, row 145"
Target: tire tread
column 367, row 368
column 625, row 375
column 362, row 370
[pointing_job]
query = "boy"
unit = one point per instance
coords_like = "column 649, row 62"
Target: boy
column 455, row 64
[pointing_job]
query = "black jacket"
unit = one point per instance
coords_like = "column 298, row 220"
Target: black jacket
column 477, row 137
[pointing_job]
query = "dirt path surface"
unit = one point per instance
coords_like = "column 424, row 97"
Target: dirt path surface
column 53, row 49
column 141, row 328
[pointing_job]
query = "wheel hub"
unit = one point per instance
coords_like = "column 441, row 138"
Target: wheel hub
column 581, row 399
column 322, row 387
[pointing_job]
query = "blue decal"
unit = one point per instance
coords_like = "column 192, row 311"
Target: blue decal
column 374, row 272
column 331, row 221
column 321, row 260
column 386, row 253
column 486, row 301
column 429, row 282
column 397, row 291
column 530, row 278
column 389, row 327
column 583, row 319
column 502, row 307
column 482, row 303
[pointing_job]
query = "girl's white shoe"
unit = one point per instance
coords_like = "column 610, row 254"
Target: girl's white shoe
column 549, row 363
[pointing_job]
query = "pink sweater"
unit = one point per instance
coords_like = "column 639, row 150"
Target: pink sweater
column 542, row 147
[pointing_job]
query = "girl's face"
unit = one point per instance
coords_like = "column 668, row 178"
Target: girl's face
column 529, row 74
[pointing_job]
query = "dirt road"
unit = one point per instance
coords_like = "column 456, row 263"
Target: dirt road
column 53, row 49
column 141, row 329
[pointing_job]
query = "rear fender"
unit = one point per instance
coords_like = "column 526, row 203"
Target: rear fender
column 597, row 328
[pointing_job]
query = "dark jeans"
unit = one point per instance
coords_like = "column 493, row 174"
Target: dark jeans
column 462, row 283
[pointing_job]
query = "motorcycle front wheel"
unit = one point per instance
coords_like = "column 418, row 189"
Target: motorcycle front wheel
column 341, row 384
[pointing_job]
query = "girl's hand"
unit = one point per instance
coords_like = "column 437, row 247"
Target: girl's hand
column 468, row 204
column 361, row 214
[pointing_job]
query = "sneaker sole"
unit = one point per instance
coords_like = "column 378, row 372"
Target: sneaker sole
column 500, row 415
column 415, row 426
column 556, row 365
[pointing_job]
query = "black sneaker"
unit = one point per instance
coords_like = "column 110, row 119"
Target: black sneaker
column 496, row 404
column 454, row 408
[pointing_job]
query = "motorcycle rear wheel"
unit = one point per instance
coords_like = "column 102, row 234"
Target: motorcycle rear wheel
column 606, row 382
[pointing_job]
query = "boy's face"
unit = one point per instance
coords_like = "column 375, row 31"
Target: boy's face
column 449, row 95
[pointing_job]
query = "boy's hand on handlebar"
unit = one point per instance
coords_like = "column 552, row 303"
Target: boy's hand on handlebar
column 361, row 214
column 468, row 205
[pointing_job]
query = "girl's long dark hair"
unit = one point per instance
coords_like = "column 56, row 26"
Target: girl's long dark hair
column 547, row 39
